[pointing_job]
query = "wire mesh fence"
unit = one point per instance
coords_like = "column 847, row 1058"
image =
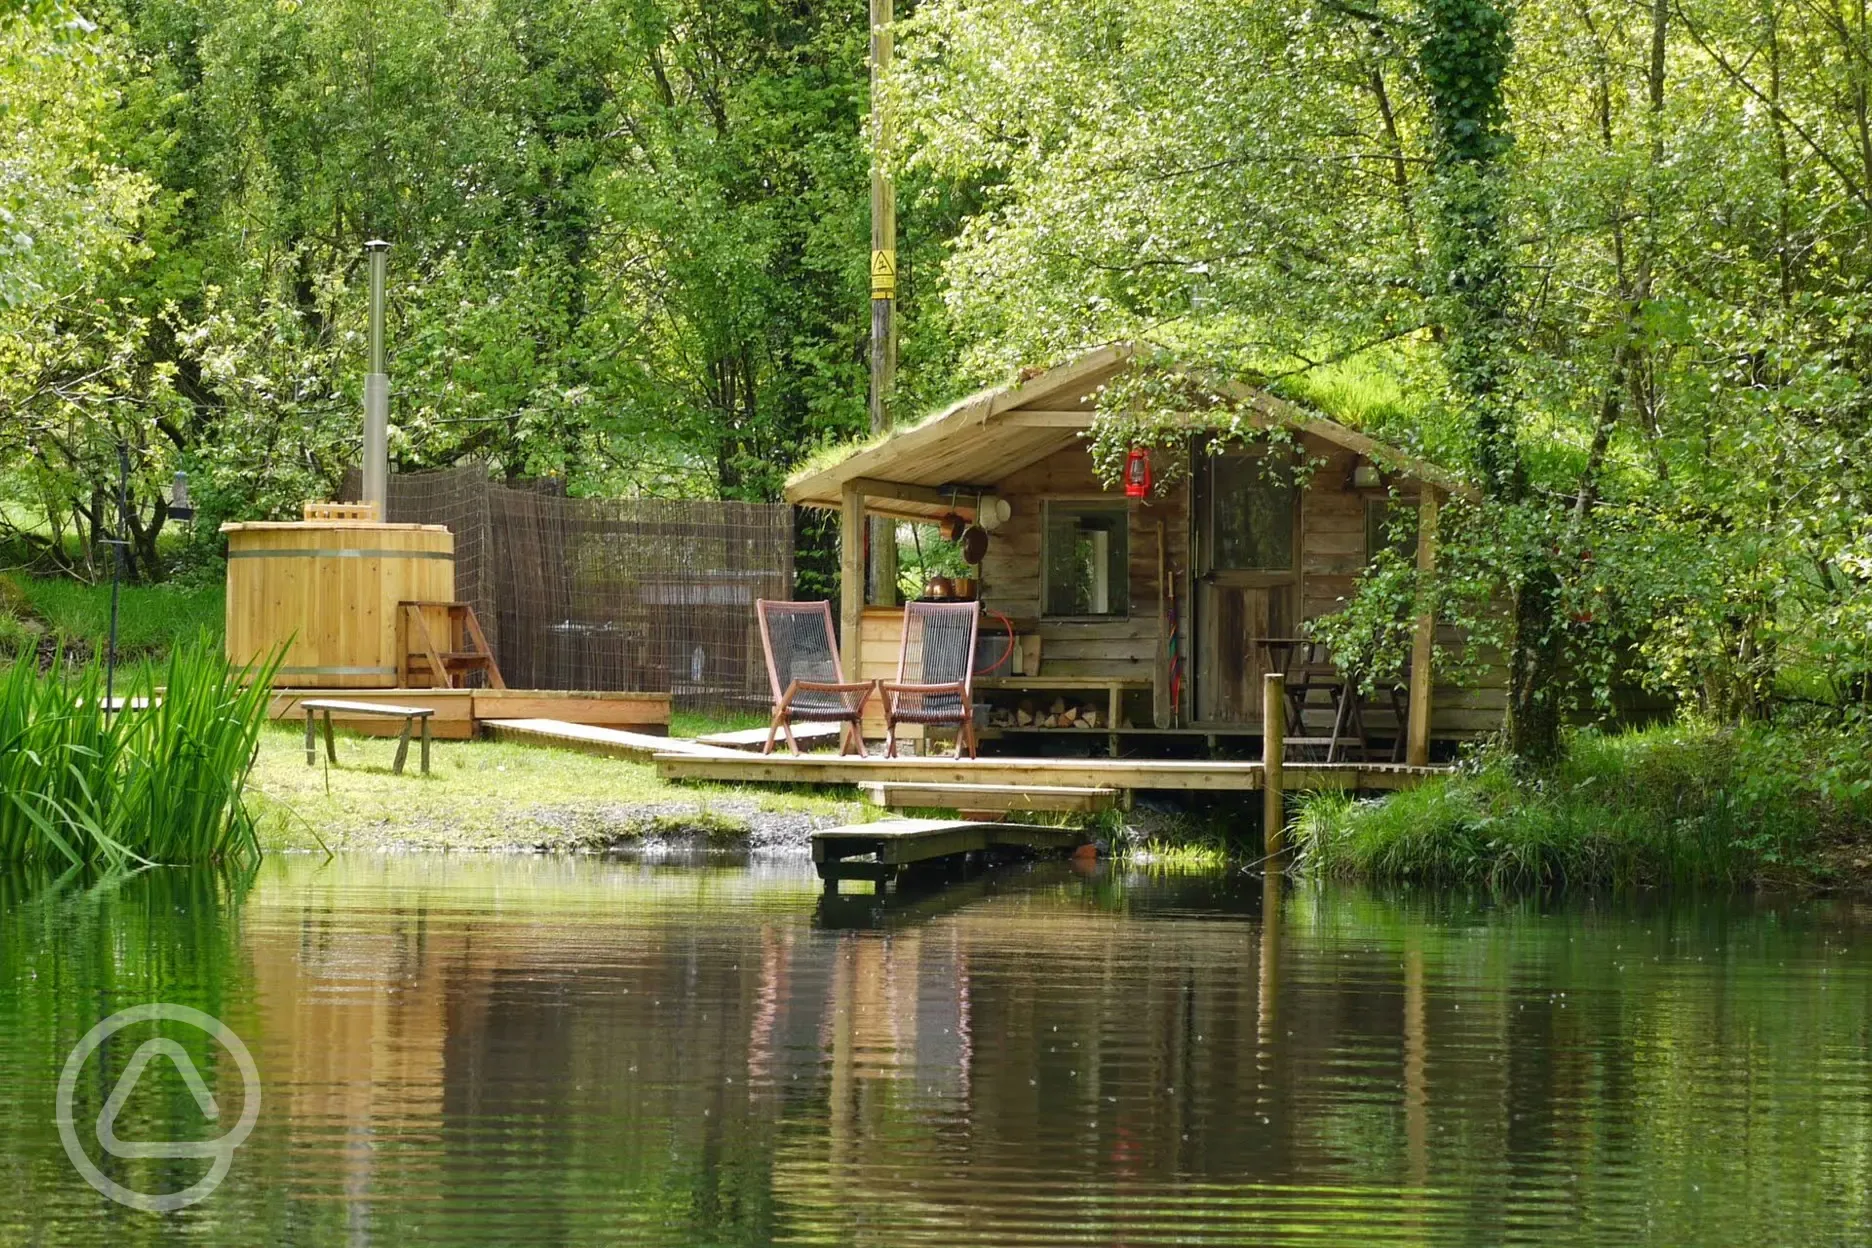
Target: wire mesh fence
column 581, row 593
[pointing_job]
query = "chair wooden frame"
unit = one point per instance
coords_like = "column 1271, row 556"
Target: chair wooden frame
column 895, row 692
column 1309, row 669
column 852, row 694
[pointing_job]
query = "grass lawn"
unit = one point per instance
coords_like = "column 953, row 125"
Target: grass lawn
column 152, row 619
column 697, row 723
column 497, row 795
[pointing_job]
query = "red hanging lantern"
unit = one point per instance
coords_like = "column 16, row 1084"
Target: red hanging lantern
column 1137, row 473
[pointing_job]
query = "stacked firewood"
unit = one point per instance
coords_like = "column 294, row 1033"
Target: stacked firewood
column 1058, row 714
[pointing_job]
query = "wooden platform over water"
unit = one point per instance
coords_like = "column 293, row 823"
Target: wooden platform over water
column 890, row 845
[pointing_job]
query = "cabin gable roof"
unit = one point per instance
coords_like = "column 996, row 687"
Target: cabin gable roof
column 941, row 463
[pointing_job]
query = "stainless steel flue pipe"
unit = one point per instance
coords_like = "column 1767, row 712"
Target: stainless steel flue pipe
column 377, row 390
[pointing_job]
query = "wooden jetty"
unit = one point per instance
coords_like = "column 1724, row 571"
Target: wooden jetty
column 888, row 846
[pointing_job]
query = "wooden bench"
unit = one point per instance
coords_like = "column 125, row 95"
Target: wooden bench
column 410, row 714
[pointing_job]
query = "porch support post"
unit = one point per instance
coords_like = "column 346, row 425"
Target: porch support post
column 851, row 580
column 1417, row 752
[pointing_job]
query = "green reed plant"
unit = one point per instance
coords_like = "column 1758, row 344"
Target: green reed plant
column 157, row 783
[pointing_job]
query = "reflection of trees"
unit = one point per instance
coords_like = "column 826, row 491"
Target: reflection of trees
column 1361, row 1064
column 576, row 1045
column 74, row 949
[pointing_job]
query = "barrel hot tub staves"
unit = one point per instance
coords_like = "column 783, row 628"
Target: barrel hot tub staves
column 329, row 591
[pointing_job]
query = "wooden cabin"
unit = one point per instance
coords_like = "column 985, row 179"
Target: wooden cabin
column 1248, row 555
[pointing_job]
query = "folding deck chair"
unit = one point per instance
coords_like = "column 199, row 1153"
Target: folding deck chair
column 935, row 673
column 803, row 669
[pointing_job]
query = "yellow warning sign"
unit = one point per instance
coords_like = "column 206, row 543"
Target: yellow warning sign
column 883, row 274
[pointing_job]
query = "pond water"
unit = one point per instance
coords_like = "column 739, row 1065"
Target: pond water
column 536, row 1050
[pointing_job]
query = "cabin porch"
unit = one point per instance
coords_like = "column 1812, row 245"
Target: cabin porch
column 1184, row 600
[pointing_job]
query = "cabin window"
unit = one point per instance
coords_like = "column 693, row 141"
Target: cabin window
column 1252, row 513
column 1087, row 560
column 1391, row 524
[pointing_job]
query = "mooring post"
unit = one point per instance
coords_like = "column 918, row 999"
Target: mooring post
column 1273, row 754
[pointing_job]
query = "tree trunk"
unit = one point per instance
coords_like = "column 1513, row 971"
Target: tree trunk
column 144, row 557
column 1463, row 60
column 1533, row 723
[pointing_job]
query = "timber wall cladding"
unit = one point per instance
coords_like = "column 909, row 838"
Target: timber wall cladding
column 1012, row 567
column 1332, row 555
column 1332, row 532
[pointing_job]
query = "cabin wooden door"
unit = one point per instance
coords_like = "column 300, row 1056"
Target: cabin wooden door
column 1247, row 541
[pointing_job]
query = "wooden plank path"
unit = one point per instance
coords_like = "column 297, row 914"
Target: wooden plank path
column 893, row 844
column 608, row 742
column 753, row 739
column 1178, row 775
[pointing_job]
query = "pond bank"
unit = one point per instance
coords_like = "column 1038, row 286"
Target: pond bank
column 1679, row 804
column 1684, row 804
column 494, row 796
column 490, row 795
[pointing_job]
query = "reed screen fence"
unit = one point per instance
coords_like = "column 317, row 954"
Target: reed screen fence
column 583, row 593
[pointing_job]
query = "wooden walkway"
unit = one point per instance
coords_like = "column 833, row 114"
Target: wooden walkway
column 608, row 742
column 753, row 739
column 890, row 845
column 1142, row 774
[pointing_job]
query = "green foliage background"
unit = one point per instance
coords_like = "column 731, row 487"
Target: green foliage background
column 1610, row 260
column 630, row 247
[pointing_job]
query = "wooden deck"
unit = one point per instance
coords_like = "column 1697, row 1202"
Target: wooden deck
column 459, row 713
column 1138, row 774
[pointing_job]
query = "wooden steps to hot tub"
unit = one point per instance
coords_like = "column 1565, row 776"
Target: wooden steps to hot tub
column 462, row 650
column 1072, row 799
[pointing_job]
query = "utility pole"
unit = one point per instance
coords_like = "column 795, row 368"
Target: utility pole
column 883, row 530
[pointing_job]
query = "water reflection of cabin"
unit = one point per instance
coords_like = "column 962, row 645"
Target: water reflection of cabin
column 1252, row 554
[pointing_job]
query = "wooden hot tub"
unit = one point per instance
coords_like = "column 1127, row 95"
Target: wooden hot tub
column 331, row 589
